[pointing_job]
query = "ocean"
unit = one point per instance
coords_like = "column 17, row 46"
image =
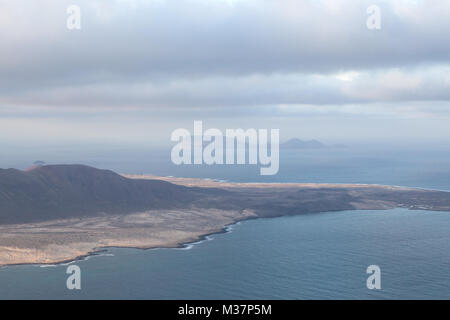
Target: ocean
column 314, row 256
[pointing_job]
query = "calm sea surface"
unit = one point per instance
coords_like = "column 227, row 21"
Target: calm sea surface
column 317, row 256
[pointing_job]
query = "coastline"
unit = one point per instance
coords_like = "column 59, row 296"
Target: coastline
column 63, row 241
column 222, row 184
column 183, row 241
column 98, row 251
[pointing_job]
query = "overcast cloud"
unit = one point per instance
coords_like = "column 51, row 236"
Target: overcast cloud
column 136, row 61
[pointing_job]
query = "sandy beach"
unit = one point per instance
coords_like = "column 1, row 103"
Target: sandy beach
column 64, row 240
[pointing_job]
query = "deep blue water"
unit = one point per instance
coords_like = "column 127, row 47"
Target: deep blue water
column 316, row 256
column 310, row 256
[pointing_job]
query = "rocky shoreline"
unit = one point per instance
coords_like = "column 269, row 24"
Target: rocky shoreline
column 64, row 240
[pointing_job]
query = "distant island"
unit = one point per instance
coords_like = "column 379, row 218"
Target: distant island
column 307, row 144
column 55, row 213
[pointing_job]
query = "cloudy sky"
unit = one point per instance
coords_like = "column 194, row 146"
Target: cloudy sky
column 137, row 70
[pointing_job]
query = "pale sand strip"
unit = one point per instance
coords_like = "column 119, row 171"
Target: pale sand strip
column 65, row 240
column 211, row 183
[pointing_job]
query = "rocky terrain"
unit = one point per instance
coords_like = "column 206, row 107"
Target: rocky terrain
column 56, row 213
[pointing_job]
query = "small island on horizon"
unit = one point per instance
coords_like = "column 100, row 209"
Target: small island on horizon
column 295, row 143
column 57, row 213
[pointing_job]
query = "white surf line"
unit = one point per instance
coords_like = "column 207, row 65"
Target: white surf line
column 227, row 229
column 84, row 258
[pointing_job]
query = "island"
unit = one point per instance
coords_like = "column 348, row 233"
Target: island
column 57, row 213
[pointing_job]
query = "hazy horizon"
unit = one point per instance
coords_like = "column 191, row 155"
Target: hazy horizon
column 137, row 70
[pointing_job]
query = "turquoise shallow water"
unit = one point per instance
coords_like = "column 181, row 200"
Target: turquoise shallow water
column 316, row 256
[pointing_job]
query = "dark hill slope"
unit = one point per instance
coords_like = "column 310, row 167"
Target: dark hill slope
column 70, row 191
column 62, row 191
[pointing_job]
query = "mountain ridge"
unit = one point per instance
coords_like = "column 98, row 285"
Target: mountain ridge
column 296, row 143
column 55, row 192
column 62, row 191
